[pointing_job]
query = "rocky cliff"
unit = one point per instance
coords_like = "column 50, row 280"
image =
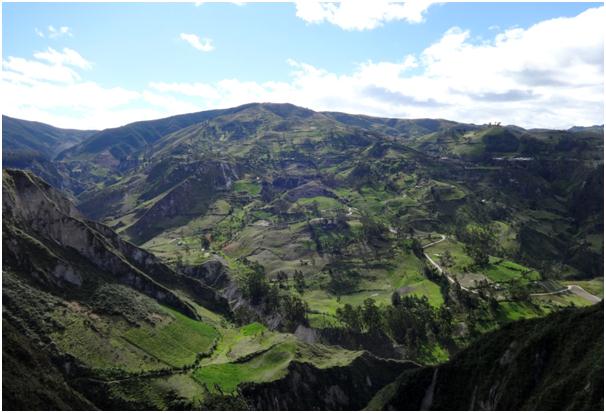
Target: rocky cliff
column 553, row 363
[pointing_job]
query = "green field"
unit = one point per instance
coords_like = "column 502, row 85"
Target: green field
column 502, row 271
column 269, row 365
column 251, row 188
column 176, row 343
column 323, row 202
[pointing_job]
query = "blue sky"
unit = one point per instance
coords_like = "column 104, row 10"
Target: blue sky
column 132, row 61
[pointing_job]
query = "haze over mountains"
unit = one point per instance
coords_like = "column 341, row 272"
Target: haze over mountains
column 221, row 259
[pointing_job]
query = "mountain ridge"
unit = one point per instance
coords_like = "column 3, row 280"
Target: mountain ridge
column 226, row 257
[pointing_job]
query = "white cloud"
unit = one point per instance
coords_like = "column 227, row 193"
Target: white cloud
column 68, row 57
column 59, row 32
column 26, row 71
column 47, row 89
column 548, row 75
column 54, row 33
column 204, row 45
column 361, row 15
column 202, row 90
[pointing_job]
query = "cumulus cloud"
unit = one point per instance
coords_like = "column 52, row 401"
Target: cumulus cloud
column 67, row 57
column 54, row 33
column 59, row 32
column 547, row 75
column 204, row 45
column 49, row 88
column 50, row 65
column 361, row 15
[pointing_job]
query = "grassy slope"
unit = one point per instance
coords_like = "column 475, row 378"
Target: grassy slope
column 550, row 363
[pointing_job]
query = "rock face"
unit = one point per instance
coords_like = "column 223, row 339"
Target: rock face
column 173, row 193
column 306, row 387
column 42, row 231
column 308, row 190
column 217, row 276
column 545, row 364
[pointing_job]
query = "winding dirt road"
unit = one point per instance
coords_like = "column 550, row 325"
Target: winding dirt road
column 575, row 289
column 437, row 266
column 572, row 288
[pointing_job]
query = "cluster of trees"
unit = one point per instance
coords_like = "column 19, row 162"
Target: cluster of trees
column 343, row 281
column 411, row 244
column 410, row 320
column 331, row 236
column 446, row 259
column 372, row 229
column 298, row 280
column 480, row 241
column 258, row 290
column 204, row 242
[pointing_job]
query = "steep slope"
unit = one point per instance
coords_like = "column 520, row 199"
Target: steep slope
column 91, row 321
column 204, row 160
column 339, row 198
column 402, row 128
column 23, row 137
column 117, row 144
column 34, row 145
column 77, row 297
column 340, row 201
column 46, row 239
column 553, row 363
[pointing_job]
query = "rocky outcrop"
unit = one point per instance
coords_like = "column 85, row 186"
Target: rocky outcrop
column 43, row 230
column 554, row 363
column 378, row 344
column 308, row 190
column 308, row 387
column 190, row 189
column 216, row 275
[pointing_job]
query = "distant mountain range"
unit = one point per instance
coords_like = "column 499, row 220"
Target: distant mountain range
column 227, row 258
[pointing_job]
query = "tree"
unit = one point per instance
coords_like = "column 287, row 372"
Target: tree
column 342, row 281
column 396, row 300
column 417, row 248
column 371, row 228
column 257, row 286
column 179, row 261
column 371, row 316
column 446, row 259
column 204, row 243
column 341, row 218
column 350, row 316
column 282, row 278
column 299, row 281
column 479, row 242
column 272, row 299
column 315, row 209
column 295, row 311
column 518, row 291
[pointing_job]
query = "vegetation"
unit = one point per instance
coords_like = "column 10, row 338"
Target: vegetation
column 410, row 239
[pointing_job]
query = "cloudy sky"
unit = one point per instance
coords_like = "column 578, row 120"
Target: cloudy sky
column 104, row 65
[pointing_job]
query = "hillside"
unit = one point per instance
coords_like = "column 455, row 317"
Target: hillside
column 554, row 363
column 91, row 321
column 34, row 146
column 22, row 137
column 220, row 258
